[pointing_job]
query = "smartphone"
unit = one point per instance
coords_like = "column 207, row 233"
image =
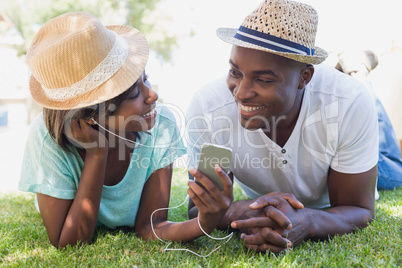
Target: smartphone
column 211, row 155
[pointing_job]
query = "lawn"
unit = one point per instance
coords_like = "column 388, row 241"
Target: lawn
column 23, row 242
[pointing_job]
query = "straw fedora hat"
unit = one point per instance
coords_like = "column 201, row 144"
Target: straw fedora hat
column 76, row 62
column 282, row 27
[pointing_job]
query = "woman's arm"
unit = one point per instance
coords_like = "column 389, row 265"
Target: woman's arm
column 156, row 194
column 69, row 222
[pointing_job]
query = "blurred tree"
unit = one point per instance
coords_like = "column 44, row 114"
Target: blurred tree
column 28, row 16
column 153, row 24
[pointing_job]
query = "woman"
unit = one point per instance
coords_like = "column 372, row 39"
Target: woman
column 102, row 152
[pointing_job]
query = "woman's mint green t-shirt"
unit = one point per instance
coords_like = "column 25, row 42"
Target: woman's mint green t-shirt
column 50, row 170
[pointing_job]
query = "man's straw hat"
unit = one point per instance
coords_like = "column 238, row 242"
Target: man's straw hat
column 281, row 27
column 76, row 62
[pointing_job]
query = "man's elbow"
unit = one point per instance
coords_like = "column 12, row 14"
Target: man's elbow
column 369, row 216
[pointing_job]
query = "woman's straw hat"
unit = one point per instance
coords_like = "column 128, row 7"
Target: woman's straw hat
column 76, row 62
column 282, row 27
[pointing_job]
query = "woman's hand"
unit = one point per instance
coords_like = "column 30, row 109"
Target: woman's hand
column 212, row 203
column 83, row 135
column 69, row 222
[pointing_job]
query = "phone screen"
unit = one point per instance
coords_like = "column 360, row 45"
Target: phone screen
column 209, row 157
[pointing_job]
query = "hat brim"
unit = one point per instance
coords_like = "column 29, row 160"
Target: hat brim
column 125, row 77
column 227, row 35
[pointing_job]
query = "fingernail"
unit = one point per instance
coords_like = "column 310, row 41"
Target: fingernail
column 253, row 204
column 218, row 168
column 233, row 225
column 290, row 226
column 289, row 245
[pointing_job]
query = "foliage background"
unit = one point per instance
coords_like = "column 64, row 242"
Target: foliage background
column 28, row 16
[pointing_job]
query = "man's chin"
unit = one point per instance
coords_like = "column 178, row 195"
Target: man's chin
column 250, row 125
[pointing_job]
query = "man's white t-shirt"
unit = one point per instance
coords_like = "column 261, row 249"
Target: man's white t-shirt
column 337, row 128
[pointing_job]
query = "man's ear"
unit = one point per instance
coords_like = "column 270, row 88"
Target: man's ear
column 305, row 76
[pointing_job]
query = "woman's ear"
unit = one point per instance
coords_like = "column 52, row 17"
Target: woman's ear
column 305, row 76
column 91, row 121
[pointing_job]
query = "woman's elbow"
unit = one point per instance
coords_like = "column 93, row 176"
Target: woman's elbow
column 60, row 244
column 145, row 234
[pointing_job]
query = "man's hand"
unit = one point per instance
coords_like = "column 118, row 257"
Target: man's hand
column 273, row 230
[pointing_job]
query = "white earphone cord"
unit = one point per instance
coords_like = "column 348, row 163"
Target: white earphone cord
column 120, row 137
column 228, row 237
column 112, row 132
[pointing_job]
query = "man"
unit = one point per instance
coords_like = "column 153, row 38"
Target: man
column 303, row 137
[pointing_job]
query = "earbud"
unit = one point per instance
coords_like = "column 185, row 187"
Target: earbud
column 120, row 137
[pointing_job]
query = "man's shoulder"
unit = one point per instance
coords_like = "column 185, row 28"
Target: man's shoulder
column 218, row 84
column 327, row 81
column 213, row 96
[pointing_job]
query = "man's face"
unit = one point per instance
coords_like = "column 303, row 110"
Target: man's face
column 264, row 86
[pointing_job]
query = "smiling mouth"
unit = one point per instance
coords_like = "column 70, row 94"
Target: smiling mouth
column 150, row 113
column 250, row 108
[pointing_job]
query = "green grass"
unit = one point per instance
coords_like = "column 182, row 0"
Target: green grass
column 23, row 242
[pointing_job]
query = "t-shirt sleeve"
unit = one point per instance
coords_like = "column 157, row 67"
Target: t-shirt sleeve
column 358, row 142
column 168, row 144
column 45, row 167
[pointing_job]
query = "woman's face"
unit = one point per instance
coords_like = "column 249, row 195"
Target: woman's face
column 137, row 111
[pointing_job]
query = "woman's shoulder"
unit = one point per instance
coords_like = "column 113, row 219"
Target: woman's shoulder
column 40, row 138
column 167, row 126
column 38, row 131
column 38, row 124
column 168, row 116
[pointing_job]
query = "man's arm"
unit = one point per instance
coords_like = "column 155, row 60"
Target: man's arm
column 352, row 206
column 240, row 210
column 352, row 202
column 270, row 213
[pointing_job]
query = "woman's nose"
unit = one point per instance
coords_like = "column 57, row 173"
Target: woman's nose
column 151, row 97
